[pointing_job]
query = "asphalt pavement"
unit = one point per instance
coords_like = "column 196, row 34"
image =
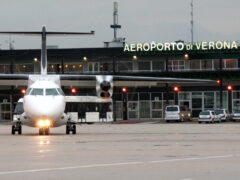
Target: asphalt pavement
column 145, row 151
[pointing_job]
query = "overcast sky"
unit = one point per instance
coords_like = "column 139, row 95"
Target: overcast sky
column 141, row 20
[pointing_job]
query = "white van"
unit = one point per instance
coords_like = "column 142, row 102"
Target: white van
column 172, row 113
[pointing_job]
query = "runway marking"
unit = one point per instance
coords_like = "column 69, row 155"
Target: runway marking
column 117, row 164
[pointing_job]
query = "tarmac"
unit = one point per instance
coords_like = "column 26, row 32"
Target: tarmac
column 145, row 151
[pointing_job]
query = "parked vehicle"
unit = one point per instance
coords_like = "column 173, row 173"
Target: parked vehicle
column 224, row 115
column 177, row 113
column 208, row 117
column 236, row 115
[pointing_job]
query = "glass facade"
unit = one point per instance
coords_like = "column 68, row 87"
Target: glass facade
column 236, row 101
column 122, row 65
column 158, row 65
column 144, row 66
column 206, row 64
column 176, row 65
column 72, row 68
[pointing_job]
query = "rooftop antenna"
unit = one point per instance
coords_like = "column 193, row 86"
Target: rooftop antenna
column 115, row 25
column 191, row 21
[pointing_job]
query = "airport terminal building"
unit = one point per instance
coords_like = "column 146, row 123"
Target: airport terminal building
column 141, row 101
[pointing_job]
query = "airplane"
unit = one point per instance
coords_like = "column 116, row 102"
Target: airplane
column 44, row 101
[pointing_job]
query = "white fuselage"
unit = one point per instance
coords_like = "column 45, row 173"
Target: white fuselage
column 44, row 101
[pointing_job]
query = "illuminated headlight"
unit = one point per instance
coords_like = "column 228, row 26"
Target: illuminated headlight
column 15, row 118
column 189, row 115
column 44, row 123
column 41, row 123
column 47, row 123
column 182, row 115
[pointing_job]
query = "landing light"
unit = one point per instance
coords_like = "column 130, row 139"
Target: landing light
column 47, row 123
column 42, row 123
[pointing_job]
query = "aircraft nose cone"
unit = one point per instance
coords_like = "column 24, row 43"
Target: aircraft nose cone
column 44, row 107
column 48, row 111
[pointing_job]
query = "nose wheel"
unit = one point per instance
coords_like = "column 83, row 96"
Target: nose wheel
column 70, row 128
column 44, row 131
column 17, row 127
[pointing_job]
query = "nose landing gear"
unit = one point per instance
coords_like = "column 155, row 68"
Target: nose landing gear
column 70, row 127
column 17, row 127
column 44, row 130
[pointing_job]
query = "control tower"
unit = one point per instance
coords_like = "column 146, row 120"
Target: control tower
column 116, row 42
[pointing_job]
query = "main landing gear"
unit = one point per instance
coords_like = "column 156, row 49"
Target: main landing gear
column 17, row 127
column 44, row 130
column 70, row 127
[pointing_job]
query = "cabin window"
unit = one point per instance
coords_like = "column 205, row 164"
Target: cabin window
column 52, row 92
column 37, row 92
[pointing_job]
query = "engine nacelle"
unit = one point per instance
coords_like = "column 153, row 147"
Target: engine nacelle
column 104, row 86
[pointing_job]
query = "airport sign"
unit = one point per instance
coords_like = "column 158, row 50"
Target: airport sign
column 180, row 46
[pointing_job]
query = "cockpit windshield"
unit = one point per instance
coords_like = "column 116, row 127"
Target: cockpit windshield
column 60, row 91
column 37, row 92
column 28, row 91
column 19, row 108
column 52, row 92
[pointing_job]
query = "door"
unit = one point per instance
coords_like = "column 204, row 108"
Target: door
column 132, row 110
column 197, row 103
column 144, row 109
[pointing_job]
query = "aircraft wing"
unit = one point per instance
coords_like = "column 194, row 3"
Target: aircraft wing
column 90, row 80
column 14, row 79
column 160, row 79
column 135, row 78
column 119, row 80
column 14, row 76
